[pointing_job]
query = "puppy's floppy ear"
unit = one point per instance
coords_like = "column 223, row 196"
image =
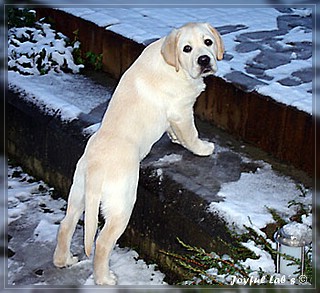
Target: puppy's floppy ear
column 219, row 42
column 169, row 49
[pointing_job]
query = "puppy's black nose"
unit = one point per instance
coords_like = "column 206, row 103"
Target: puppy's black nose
column 204, row 60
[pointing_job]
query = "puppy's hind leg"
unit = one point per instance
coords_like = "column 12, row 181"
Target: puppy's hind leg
column 117, row 208
column 108, row 236
column 62, row 256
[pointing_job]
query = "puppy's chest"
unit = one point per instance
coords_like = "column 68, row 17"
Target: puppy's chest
column 191, row 91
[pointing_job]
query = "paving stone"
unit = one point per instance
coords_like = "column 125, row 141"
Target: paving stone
column 287, row 22
column 305, row 74
column 270, row 59
column 227, row 56
column 227, row 29
column 303, row 50
column 290, row 81
column 258, row 72
column 284, row 10
column 244, row 81
column 261, row 35
column 245, row 47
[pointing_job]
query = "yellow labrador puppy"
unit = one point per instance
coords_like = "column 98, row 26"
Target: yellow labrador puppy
column 155, row 95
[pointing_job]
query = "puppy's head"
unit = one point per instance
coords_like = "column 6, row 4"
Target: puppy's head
column 195, row 48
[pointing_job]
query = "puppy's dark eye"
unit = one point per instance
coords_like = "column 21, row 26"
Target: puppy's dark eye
column 208, row 42
column 187, row 49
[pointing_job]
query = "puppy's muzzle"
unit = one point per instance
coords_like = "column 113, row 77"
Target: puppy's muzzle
column 205, row 66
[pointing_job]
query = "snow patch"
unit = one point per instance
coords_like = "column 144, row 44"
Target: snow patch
column 299, row 231
column 264, row 262
column 45, row 231
column 60, row 94
column 39, row 50
column 247, row 200
column 91, row 129
column 167, row 159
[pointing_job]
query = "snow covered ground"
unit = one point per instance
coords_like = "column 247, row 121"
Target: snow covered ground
column 246, row 201
column 32, row 209
column 32, row 235
column 51, row 92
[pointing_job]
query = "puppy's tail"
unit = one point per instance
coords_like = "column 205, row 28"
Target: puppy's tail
column 92, row 204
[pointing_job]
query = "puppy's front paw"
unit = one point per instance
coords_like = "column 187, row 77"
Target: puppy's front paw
column 205, row 148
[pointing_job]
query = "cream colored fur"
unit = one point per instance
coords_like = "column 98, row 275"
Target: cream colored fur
column 155, row 95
